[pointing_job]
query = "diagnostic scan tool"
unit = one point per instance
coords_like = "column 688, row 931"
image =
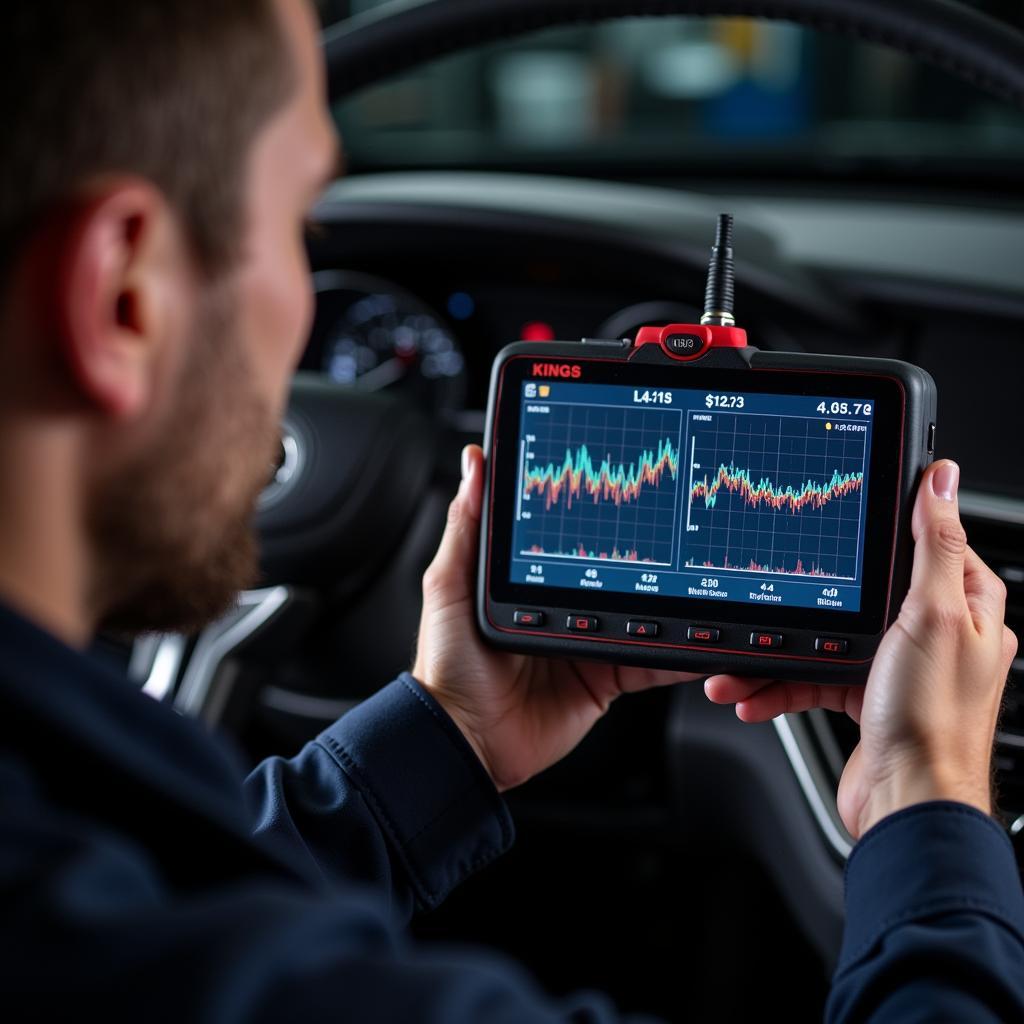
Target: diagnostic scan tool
column 685, row 500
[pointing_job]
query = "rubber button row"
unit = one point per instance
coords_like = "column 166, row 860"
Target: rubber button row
column 534, row 618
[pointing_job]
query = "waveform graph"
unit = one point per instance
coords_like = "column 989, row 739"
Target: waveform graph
column 599, row 483
column 772, row 494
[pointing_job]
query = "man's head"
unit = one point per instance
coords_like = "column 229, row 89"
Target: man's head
column 159, row 160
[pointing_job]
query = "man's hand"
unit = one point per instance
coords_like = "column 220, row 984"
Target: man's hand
column 519, row 714
column 928, row 713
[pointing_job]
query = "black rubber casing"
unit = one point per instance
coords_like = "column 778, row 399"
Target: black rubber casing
column 914, row 431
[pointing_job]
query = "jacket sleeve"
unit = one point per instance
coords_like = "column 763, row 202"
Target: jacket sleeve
column 935, row 922
column 391, row 795
column 91, row 928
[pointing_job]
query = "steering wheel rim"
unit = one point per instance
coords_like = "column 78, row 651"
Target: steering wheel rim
column 404, row 34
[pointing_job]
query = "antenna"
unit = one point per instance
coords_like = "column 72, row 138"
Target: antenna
column 720, row 294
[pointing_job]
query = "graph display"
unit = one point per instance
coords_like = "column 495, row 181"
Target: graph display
column 759, row 498
column 599, row 483
column 775, row 494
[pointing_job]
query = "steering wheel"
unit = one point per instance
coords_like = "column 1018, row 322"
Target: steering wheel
column 356, row 469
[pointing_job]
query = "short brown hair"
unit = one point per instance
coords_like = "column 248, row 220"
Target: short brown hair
column 171, row 90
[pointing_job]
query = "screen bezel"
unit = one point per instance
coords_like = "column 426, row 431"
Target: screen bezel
column 887, row 394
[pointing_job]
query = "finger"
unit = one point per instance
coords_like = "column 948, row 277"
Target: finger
column 985, row 593
column 472, row 487
column 450, row 576
column 761, row 699
column 793, row 698
column 941, row 544
column 855, row 702
column 632, row 680
column 732, row 689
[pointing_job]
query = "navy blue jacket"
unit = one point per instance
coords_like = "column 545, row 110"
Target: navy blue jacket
column 144, row 877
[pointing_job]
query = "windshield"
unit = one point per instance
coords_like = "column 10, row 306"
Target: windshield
column 685, row 97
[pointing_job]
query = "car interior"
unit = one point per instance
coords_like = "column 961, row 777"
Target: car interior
column 539, row 171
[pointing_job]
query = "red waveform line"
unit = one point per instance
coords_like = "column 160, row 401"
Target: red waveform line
column 582, row 552
column 814, row 570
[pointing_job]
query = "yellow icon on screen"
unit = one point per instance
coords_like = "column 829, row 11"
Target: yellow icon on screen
column 828, row 426
column 545, row 390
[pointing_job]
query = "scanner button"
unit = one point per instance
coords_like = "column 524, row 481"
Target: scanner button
column 703, row 634
column 634, row 628
column 765, row 640
column 931, row 438
column 689, row 345
column 831, row 645
column 528, row 617
column 582, row 623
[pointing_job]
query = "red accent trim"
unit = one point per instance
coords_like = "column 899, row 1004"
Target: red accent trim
column 714, row 337
column 728, row 337
column 648, row 336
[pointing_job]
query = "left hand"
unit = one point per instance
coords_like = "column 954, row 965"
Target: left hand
column 519, row 714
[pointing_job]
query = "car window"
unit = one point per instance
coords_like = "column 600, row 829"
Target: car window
column 682, row 95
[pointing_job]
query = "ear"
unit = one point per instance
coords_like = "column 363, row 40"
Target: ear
column 117, row 265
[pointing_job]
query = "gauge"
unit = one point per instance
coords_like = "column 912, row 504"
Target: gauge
column 370, row 334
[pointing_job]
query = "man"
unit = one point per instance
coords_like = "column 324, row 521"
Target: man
column 160, row 158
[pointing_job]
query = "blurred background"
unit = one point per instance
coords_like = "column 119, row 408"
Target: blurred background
column 700, row 100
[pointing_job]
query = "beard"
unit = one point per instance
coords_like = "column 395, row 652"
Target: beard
column 173, row 529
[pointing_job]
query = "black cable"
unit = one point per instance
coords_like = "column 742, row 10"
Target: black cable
column 719, row 297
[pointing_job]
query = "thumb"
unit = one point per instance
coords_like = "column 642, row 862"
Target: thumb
column 940, row 541
column 450, row 576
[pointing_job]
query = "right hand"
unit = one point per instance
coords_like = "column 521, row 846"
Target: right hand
column 928, row 713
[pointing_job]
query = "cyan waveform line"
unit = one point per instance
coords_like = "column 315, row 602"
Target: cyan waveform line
column 577, row 476
column 810, row 494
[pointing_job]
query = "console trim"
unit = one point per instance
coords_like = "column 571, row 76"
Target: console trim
column 798, row 761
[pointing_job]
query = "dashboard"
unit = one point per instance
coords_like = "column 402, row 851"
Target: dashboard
column 424, row 277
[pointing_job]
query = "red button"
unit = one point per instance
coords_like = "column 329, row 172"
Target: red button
column 703, row 634
column 765, row 639
column 831, row 645
column 527, row 617
column 581, row 623
column 634, row 628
